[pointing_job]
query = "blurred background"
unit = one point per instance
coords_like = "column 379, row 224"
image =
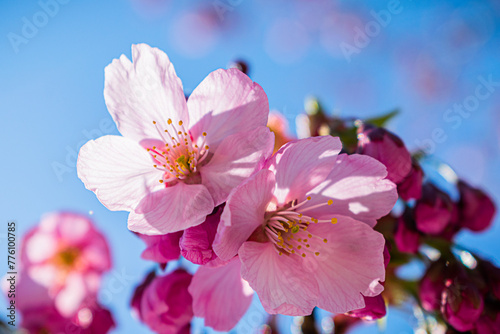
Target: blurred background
column 435, row 61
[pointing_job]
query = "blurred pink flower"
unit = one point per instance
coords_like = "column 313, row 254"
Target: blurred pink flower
column 163, row 303
column 92, row 319
column 176, row 161
column 65, row 255
column 279, row 223
column 279, row 126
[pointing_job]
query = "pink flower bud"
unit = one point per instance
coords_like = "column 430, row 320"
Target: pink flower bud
column 411, row 186
column 407, row 237
column 165, row 303
column 387, row 148
column 476, row 209
column 433, row 211
column 432, row 285
column 461, row 304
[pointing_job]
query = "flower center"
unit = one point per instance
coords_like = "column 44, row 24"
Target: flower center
column 287, row 229
column 67, row 257
column 180, row 157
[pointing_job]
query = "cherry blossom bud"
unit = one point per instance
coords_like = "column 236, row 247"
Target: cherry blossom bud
column 432, row 285
column 476, row 209
column 407, row 237
column 411, row 186
column 165, row 303
column 387, row 148
column 462, row 303
column 433, row 211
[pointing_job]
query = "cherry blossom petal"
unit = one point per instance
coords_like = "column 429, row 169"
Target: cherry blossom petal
column 220, row 295
column 171, row 209
column 224, row 103
column 161, row 248
column 349, row 266
column 119, row 171
column 196, row 242
column 301, row 165
column 144, row 91
column 358, row 189
column 71, row 297
column 237, row 157
column 282, row 283
column 243, row 213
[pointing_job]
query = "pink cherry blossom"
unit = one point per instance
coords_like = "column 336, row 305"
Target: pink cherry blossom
column 177, row 160
column 163, row 303
column 65, row 255
column 279, row 222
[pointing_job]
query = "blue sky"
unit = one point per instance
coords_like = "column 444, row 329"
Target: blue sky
column 428, row 56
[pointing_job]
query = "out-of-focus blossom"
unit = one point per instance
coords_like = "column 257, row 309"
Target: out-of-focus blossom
column 91, row 319
column 94, row 319
column 136, row 301
column 279, row 222
column 220, row 295
column 387, row 148
column 279, row 126
column 411, row 186
column 163, row 303
column 476, row 209
column 406, row 236
column 433, row 211
column 65, row 255
column 46, row 320
column 462, row 303
column 176, row 161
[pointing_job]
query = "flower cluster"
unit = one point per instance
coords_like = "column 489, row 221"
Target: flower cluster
column 62, row 262
column 200, row 180
column 325, row 221
column 459, row 290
